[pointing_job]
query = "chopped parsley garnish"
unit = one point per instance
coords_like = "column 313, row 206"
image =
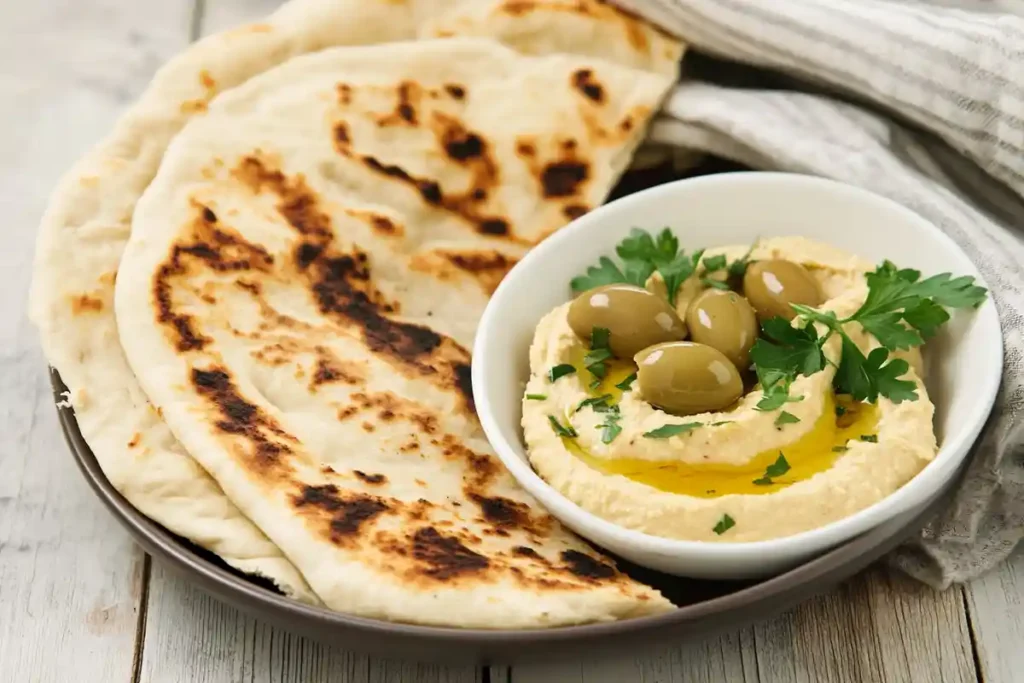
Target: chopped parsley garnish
column 870, row 438
column 839, row 449
column 599, row 403
column 723, row 422
column 840, row 411
column 642, row 254
column 599, row 337
column 610, row 427
column 536, row 397
column 560, row 371
column 724, row 525
column 666, row 431
column 900, row 311
column 776, row 469
column 599, row 352
column 713, row 263
column 594, row 384
column 625, row 384
column 785, row 418
column 565, row 431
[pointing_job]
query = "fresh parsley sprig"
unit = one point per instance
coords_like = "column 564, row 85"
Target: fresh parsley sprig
column 642, row 254
column 900, row 311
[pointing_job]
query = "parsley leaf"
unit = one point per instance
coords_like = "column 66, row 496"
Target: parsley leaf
column 950, row 292
column 773, row 471
column 642, row 254
column 890, row 331
column 610, row 427
column 782, row 354
column 604, row 273
column 565, row 431
column 926, row 317
column 900, row 311
column 667, row 431
column 776, row 396
column 560, row 371
column 625, row 384
column 536, row 397
column 724, row 525
column 599, row 337
column 887, row 377
column 787, row 348
column 594, row 361
column 839, row 449
column 870, row 438
column 738, row 268
column 596, row 357
column 723, row 422
column 713, row 263
column 714, row 283
column 867, row 378
column 598, row 403
column 785, row 418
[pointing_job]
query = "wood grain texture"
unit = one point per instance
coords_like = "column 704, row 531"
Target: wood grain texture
column 995, row 605
column 192, row 637
column 70, row 579
column 726, row 658
column 877, row 627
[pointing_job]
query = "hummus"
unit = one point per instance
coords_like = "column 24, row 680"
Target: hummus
column 709, row 483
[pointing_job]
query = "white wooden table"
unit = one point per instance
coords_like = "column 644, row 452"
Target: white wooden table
column 80, row 602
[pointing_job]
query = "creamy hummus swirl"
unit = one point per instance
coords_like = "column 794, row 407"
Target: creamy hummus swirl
column 842, row 456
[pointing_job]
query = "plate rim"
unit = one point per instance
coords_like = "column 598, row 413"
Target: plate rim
column 755, row 601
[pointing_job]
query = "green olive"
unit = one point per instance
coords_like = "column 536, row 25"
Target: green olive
column 634, row 318
column 772, row 285
column 684, row 378
column 725, row 321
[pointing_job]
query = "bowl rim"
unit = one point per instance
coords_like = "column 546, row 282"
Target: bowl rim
column 931, row 478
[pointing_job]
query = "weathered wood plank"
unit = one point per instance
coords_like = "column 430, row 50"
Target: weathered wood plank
column 879, row 626
column 725, row 658
column 192, row 637
column 995, row 606
column 70, row 579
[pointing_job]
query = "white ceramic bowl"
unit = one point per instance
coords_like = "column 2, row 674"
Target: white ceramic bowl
column 964, row 361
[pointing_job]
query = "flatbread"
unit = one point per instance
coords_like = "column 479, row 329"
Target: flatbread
column 86, row 226
column 302, row 283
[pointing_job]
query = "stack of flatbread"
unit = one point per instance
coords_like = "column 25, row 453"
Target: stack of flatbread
column 261, row 290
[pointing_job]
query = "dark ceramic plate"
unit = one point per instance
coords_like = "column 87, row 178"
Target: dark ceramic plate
column 706, row 607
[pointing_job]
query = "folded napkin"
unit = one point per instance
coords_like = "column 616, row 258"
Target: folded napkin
column 924, row 104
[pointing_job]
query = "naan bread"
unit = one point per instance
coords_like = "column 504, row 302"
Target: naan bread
column 302, row 283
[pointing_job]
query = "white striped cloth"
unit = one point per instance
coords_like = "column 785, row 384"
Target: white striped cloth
column 920, row 102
